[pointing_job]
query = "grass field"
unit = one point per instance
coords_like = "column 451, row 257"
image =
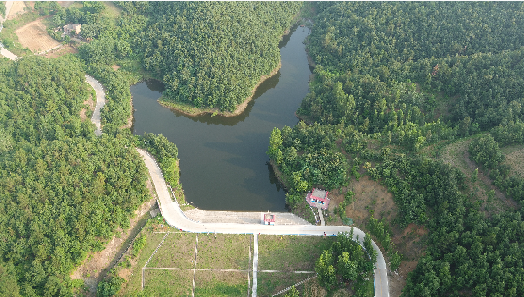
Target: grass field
column 223, row 283
column 168, row 282
column 291, row 253
column 515, row 159
column 456, row 154
column 134, row 283
column 272, row 283
column 225, row 251
column 177, row 251
column 170, row 270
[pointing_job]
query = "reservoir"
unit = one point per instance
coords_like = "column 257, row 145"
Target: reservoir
column 223, row 161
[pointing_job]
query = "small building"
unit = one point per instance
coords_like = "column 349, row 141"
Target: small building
column 269, row 219
column 318, row 198
column 72, row 28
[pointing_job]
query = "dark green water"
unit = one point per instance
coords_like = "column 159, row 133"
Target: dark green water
column 223, row 161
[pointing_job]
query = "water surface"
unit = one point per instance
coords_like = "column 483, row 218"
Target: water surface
column 223, row 161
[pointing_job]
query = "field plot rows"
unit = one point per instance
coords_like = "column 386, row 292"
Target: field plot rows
column 224, row 263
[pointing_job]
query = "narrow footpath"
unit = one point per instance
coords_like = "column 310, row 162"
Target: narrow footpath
column 100, row 102
column 255, row 265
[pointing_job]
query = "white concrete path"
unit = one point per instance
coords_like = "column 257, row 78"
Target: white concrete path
column 255, row 266
column 321, row 216
column 176, row 218
column 100, row 102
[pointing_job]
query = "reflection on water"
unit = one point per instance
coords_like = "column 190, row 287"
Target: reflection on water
column 155, row 85
column 268, row 84
column 222, row 159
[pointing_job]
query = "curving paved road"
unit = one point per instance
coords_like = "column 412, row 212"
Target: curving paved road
column 176, row 218
column 100, row 102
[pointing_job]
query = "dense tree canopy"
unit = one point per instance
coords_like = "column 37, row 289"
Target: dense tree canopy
column 211, row 54
column 394, row 83
column 62, row 189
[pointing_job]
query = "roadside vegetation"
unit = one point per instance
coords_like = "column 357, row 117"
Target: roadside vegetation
column 399, row 90
column 64, row 191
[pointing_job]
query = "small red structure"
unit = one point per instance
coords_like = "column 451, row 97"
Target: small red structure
column 269, row 219
column 318, row 198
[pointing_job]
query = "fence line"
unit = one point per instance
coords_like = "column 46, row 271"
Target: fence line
column 159, row 245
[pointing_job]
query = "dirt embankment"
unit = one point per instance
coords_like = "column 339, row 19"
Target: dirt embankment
column 130, row 118
column 96, row 266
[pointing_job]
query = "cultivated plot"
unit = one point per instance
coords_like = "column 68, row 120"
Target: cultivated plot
column 164, row 282
column 291, row 253
column 177, row 251
column 34, row 36
column 224, row 251
column 221, row 283
column 274, row 282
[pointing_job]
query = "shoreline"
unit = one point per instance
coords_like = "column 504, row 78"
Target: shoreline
column 193, row 111
column 278, row 174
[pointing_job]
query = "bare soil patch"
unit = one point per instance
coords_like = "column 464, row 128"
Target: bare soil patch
column 62, row 51
column 96, row 266
column 410, row 242
column 115, row 67
column 90, row 105
column 397, row 280
column 370, row 198
column 34, row 37
column 17, row 9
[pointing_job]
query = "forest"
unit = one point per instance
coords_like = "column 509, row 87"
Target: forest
column 182, row 43
column 63, row 191
column 212, row 54
column 395, row 84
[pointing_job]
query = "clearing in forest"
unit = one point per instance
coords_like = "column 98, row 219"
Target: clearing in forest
column 372, row 198
column 457, row 155
column 34, row 36
column 514, row 159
